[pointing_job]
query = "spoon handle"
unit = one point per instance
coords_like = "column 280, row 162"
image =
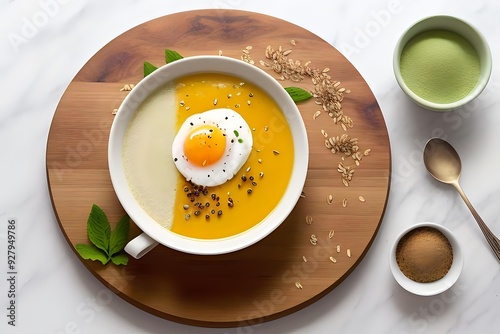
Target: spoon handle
column 493, row 241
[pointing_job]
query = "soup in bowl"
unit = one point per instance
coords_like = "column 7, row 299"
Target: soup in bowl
column 207, row 155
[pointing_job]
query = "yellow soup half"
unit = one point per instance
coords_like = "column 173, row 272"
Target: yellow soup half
column 213, row 212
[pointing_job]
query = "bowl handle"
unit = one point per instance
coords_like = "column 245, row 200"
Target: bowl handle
column 140, row 245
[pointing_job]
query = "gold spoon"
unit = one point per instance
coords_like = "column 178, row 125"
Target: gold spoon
column 443, row 163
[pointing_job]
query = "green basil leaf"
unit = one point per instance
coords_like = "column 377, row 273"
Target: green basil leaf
column 171, row 55
column 98, row 229
column 119, row 236
column 120, row 259
column 149, row 68
column 298, row 94
column 89, row 252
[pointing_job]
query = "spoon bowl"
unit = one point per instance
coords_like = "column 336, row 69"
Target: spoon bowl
column 443, row 163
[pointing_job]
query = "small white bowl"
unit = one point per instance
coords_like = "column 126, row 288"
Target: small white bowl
column 460, row 27
column 155, row 234
column 436, row 287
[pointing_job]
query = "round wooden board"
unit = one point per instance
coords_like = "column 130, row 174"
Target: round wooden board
column 258, row 283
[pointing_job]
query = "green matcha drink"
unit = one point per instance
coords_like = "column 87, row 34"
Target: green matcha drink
column 440, row 66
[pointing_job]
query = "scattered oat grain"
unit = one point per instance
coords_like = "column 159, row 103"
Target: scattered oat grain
column 127, row 88
column 333, row 259
column 298, row 285
column 361, row 199
column 331, row 234
column 309, row 220
column 348, row 252
column 338, row 248
column 344, row 202
column 329, row 199
column 304, row 258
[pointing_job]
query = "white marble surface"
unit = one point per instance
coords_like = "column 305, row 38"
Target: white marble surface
column 56, row 294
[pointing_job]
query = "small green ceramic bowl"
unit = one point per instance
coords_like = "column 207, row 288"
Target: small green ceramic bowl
column 453, row 27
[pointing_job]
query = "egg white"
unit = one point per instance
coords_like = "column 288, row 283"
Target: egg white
column 239, row 144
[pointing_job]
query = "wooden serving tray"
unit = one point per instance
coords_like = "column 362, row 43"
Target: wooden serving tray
column 258, row 283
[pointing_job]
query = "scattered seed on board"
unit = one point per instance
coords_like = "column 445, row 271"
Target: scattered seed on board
column 303, row 195
column 114, row 111
column 127, row 88
column 323, row 132
column 344, row 202
column 298, row 285
column 329, row 199
column 331, row 234
column 348, row 252
column 276, row 152
column 361, row 199
column 333, row 259
column 304, row 258
column 338, row 248
column 313, row 240
column 316, row 114
column 309, row 220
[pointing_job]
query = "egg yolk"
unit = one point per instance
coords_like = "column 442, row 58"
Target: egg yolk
column 204, row 145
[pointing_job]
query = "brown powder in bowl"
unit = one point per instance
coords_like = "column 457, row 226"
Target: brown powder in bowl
column 424, row 254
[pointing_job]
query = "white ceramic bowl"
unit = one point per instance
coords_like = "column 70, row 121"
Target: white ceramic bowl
column 461, row 28
column 153, row 232
column 432, row 288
